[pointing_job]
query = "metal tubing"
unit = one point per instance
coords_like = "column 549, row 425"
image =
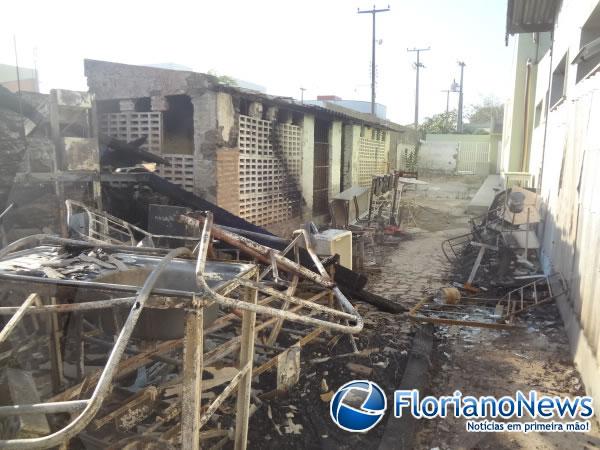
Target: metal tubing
column 317, row 262
column 233, row 384
column 214, row 296
column 8, row 208
column 14, row 320
column 298, row 301
column 43, row 408
column 93, row 285
column 37, row 239
column 103, row 387
column 259, row 251
column 68, row 307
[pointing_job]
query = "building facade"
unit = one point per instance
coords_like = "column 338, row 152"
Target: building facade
column 25, row 80
column 552, row 138
column 270, row 160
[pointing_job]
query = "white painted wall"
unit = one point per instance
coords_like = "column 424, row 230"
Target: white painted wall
column 570, row 189
column 439, row 156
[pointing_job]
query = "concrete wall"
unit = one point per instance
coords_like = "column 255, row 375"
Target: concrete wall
column 451, row 153
column 108, row 80
column 29, row 85
column 205, row 144
column 335, row 157
column 516, row 139
column 226, row 118
column 308, row 157
column 438, row 156
column 568, row 163
column 350, row 156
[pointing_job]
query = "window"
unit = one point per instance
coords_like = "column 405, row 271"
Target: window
column 557, row 90
column 588, row 58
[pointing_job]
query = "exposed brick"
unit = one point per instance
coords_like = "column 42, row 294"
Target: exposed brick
column 228, row 180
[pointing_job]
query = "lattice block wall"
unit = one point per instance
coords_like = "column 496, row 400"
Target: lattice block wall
column 132, row 125
column 181, row 171
column 372, row 160
column 270, row 170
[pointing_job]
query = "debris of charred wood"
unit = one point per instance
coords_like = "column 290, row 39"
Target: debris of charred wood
column 382, row 303
column 118, row 153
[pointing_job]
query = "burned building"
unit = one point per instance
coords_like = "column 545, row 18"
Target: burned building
column 270, row 160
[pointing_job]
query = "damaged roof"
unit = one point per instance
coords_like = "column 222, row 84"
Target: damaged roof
column 108, row 81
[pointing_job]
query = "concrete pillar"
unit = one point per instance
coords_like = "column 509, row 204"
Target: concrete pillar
column 205, row 144
column 308, row 157
column 346, row 168
column 335, row 157
column 351, row 153
column 388, row 149
column 255, row 109
column 271, row 114
column 226, row 122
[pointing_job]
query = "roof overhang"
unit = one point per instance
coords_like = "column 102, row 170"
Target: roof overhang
column 531, row 16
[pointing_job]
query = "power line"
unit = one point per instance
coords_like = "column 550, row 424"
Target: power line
column 373, row 11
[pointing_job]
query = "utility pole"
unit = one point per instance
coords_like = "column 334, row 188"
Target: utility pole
column 302, row 95
column 418, row 66
column 459, row 120
column 447, row 91
column 373, row 11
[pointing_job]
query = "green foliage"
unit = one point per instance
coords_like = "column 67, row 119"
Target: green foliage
column 410, row 160
column 223, row 79
column 484, row 112
column 441, row 123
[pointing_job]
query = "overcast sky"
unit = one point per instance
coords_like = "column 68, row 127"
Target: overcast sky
column 321, row 45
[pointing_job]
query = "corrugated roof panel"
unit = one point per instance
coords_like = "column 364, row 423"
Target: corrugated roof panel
column 529, row 16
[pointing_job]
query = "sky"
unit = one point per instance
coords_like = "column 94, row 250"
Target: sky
column 323, row 46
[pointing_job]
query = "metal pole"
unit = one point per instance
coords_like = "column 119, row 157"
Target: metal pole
column 418, row 66
column 373, row 12
column 447, row 91
column 459, row 121
column 373, row 67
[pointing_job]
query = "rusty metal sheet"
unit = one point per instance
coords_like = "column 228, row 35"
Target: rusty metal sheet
column 472, row 314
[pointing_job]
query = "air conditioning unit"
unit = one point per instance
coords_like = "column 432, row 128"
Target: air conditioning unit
column 331, row 242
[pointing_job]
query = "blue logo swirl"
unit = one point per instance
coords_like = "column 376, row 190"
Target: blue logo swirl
column 358, row 406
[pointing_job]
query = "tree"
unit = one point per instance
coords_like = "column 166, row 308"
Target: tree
column 490, row 109
column 441, row 123
column 223, row 79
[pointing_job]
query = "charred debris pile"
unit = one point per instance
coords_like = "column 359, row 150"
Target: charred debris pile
column 120, row 338
column 496, row 269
